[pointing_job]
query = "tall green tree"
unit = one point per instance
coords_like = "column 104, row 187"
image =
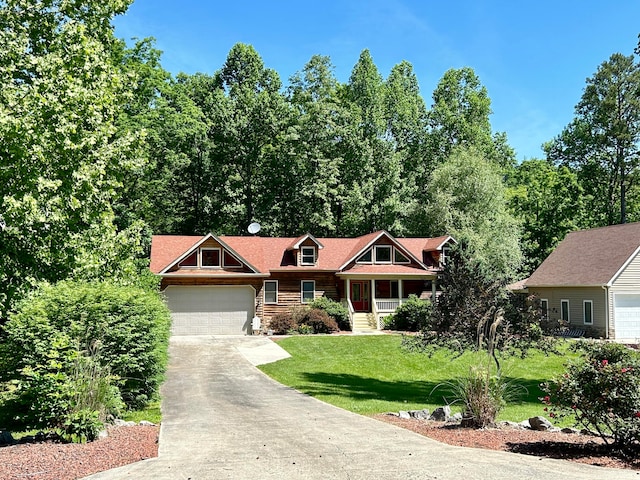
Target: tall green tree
column 467, row 199
column 249, row 121
column 548, row 201
column 459, row 117
column 371, row 173
column 61, row 160
column 603, row 141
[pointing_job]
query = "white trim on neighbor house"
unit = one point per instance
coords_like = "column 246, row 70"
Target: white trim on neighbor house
column 584, row 312
column 275, row 292
column 302, row 291
column 624, row 265
column 563, row 302
column 544, row 307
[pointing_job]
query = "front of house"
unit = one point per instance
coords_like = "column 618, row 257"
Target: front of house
column 591, row 282
column 219, row 285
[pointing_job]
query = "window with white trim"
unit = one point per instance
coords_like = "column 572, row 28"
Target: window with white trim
column 307, row 255
column 444, row 254
column 230, row 261
column 564, row 311
column 307, row 291
column 190, row 261
column 365, row 257
column 383, row 253
column 587, row 308
column 210, row 257
column 544, row 308
column 270, row 291
column 398, row 257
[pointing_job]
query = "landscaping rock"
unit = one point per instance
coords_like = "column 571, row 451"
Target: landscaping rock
column 441, row 414
column 419, row 414
column 513, row 425
column 570, row 431
column 455, row 418
column 403, row 414
column 540, row 424
column 146, row 423
column 121, row 423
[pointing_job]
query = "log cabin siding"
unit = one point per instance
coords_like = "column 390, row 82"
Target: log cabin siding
column 289, row 291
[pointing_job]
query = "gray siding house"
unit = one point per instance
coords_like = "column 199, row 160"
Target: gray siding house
column 591, row 281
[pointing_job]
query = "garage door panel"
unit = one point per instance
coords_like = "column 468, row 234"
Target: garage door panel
column 200, row 310
column 627, row 316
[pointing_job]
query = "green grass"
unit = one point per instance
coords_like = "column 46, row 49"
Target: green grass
column 151, row 413
column 373, row 374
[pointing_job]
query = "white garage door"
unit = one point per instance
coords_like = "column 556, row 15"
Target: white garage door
column 204, row 310
column 627, row 316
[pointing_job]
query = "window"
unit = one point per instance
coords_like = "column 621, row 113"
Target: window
column 210, row 257
column 544, row 308
column 386, row 289
column 398, row 257
column 308, row 256
column 307, row 290
column 587, row 307
column 383, row 254
column 231, row 261
column 564, row 310
column 365, row 257
column 444, row 254
column 270, row 291
column 190, row 261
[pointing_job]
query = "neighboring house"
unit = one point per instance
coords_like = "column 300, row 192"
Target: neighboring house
column 217, row 285
column 591, row 281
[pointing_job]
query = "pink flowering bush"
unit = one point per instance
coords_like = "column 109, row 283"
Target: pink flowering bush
column 601, row 391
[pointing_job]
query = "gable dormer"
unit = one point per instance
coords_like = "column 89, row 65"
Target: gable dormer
column 305, row 250
column 382, row 249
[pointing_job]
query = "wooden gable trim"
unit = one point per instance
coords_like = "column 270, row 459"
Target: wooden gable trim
column 209, row 236
column 393, row 241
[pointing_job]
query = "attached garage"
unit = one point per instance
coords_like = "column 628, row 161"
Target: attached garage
column 210, row 310
column 626, row 314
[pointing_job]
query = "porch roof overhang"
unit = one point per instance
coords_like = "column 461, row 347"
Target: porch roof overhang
column 226, row 275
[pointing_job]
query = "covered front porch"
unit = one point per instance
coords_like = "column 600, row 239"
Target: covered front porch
column 370, row 299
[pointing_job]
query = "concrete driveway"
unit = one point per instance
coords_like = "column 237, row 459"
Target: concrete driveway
column 224, row 419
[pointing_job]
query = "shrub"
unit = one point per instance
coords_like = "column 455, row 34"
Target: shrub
column 411, row 316
column 335, row 310
column 75, row 337
column 282, row 323
column 601, row 391
column 319, row 321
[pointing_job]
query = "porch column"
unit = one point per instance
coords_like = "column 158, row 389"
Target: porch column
column 433, row 290
column 400, row 291
column 347, row 294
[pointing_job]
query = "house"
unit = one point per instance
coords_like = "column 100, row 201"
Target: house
column 591, row 281
column 218, row 284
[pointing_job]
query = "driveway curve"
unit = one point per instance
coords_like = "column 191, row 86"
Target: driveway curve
column 224, row 419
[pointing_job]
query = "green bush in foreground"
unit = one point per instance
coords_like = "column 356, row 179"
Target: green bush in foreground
column 335, row 310
column 73, row 351
column 602, row 392
column 411, row 316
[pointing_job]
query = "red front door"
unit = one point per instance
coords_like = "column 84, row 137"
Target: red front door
column 360, row 295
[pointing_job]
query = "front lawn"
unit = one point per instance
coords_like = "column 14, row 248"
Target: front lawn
column 373, row 374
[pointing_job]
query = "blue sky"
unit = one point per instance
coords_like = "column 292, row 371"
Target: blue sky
column 533, row 57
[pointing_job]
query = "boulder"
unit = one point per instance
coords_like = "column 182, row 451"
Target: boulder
column 419, row 414
column 6, row 438
column 403, row 414
column 540, row 423
column 441, row 414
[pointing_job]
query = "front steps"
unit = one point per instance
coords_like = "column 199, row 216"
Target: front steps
column 364, row 322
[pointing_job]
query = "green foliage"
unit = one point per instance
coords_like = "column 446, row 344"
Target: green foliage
column 601, row 391
column 129, row 325
column 335, row 310
column 411, row 316
column 303, row 320
column 319, row 321
column 282, row 323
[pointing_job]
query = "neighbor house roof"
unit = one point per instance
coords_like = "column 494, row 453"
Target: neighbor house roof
column 265, row 254
column 589, row 257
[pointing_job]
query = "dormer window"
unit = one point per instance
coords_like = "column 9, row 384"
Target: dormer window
column 444, row 254
column 383, row 253
column 307, row 255
column 365, row 257
column 210, row 257
column 398, row 257
column 190, row 261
